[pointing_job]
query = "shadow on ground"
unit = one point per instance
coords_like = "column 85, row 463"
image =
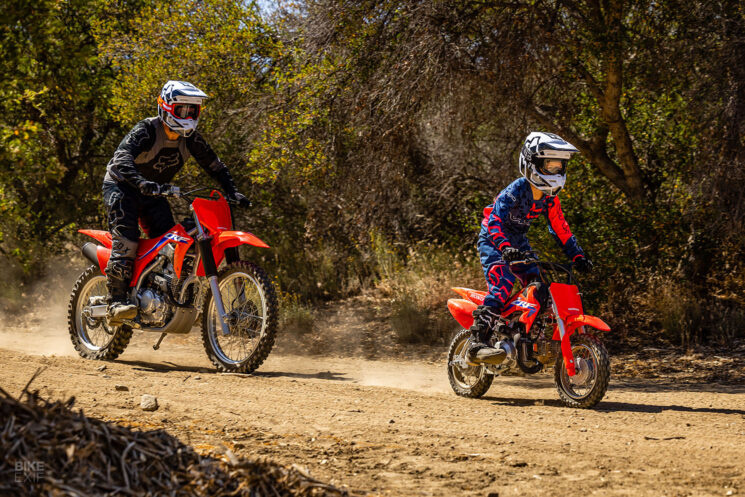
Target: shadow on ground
column 169, row 367
column 612, row 406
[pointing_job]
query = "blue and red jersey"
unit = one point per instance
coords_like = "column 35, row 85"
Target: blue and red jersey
column 507, row 220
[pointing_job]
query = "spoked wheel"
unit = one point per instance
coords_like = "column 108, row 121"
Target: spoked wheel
column 92, row 337
column 466, row 380
column 251, row 311
column 588, row 386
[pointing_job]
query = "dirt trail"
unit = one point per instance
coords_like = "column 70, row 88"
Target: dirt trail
column 395, row 428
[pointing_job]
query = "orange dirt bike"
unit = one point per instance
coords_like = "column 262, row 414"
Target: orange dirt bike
column 175, row 276
column 531, row 338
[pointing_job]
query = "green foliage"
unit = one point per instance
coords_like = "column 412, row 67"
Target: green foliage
column 55, row 128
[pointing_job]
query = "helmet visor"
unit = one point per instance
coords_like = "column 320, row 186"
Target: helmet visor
column 186, row 111
column 552, row 166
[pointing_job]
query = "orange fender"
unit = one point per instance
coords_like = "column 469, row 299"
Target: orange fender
column 462, row 311
column 577, row 320
column 475, row 296
column 574, row 322
column 100, row 235
column 571, row 324
column 228, row 239
column 103, row 255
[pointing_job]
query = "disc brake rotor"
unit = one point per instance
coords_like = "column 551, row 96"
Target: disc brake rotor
column 583, row 369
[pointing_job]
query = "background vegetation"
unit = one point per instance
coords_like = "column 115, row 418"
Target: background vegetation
column 371, row 134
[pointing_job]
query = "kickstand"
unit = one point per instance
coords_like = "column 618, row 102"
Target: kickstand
column 157, row 345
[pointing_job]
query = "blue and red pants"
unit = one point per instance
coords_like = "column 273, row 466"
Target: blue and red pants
column 499, row 279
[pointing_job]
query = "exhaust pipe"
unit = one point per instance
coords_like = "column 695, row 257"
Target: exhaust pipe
column 90, row 251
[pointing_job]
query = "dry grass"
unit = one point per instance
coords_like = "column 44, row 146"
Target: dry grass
column 419, row 286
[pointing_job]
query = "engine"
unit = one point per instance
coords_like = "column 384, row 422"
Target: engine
column 154, row 303
column 154, row 310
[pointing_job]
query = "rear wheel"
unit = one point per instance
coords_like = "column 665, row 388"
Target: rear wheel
column 93, row 338
column 588, row 386
column 251, row 310
column 466, row 380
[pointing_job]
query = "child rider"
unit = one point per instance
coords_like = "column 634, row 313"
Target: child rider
column 543, row 162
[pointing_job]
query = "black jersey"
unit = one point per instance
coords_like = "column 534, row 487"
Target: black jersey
column 146, row 153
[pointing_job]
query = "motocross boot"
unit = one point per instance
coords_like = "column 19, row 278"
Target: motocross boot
column 120, row 308
column 118, row 276
column 485, row 321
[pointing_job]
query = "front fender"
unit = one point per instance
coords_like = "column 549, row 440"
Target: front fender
column 570, row 326
column 574, row 322
column 228, row 239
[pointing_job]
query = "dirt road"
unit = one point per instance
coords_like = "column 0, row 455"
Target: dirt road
column 393, row 428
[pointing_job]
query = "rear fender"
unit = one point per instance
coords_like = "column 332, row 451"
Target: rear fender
column 462, row 311
column 475, row 296
column 103, row 254
column 100, row 235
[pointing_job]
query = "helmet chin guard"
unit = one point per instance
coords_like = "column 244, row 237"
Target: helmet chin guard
column 174, row 94
column 539, row 147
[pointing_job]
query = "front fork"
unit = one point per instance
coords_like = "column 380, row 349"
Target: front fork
column 210, row 270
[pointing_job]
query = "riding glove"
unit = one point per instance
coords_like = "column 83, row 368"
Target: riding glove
column 583, row 264
column 510, row 254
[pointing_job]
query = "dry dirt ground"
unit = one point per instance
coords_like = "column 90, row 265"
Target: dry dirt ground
column 393, row 427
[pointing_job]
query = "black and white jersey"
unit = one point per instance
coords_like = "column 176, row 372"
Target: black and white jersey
column 146, row 153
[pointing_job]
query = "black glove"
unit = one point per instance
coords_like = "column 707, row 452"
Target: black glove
column 149, row 188
column 583, row 264
column 153, row 189
column 238, row 198
column 510, row 254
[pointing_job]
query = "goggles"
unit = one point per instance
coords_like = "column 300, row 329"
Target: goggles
column 181, row 110
column 552, row 166
column 186, row 111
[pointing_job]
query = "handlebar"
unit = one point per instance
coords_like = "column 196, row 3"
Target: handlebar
column 552, row 268
column 190, row 195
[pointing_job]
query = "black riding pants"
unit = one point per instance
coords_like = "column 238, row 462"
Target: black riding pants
column 127, row 209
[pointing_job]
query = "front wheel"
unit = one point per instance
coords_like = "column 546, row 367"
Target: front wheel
column 588, row 386
column 466, row 380
column 251, row 310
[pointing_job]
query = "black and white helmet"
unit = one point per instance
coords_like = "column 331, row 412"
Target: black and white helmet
column 179, row 105
column 537, row 148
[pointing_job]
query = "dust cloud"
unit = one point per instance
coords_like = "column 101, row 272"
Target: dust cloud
column 37, row 323
column 419, row 377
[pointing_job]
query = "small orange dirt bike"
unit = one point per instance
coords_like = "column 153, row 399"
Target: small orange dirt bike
column 531, row 338
column 176, row 275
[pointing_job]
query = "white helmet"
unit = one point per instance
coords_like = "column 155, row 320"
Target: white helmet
column 179, row 105
column 537, row 148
